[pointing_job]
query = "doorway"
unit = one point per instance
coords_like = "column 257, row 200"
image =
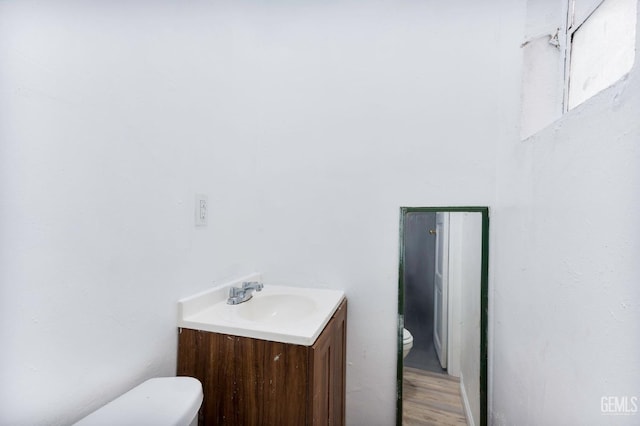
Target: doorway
column 443, row 299
column 419, row 272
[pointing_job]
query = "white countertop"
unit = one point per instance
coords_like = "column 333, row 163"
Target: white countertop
column 284, row 314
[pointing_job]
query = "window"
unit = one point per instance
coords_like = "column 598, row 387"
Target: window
column 602, row 49
column 573, row 50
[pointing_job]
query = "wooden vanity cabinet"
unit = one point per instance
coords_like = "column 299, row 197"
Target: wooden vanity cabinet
column 250, row 381
column 327, row 372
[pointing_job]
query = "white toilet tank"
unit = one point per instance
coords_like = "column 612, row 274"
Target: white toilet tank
column 161, row 401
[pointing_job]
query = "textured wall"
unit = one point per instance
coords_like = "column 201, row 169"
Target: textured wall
column 307, row 124
column 565, row 237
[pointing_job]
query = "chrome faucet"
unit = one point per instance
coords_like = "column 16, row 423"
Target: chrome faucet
column 242, row 294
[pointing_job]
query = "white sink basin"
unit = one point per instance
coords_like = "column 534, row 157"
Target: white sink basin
column 277, row 308
column 282, row 314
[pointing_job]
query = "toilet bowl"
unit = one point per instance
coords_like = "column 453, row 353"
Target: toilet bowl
column 162, row 401
column 407, row 342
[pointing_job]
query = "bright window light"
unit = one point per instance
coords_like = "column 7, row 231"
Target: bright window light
column 602, row 49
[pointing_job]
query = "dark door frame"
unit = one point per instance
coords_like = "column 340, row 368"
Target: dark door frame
column 484, row 302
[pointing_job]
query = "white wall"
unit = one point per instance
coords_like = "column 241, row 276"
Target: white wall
column 465, row 280
column 308, row 126
column 470, row 312
column 565, row 292
column 465, row 274
column 455, row 292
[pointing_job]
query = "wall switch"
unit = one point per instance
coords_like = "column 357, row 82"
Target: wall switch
column 202, row 209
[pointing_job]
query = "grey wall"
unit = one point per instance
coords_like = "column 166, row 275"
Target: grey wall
column 418, row 282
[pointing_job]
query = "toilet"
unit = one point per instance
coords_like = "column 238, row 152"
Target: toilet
column 407, row 342
column 161, row 401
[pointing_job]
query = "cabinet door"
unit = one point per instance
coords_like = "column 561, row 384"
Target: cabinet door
column 322, row 378
column 339, row 365
column 246, row 382
column 327, row 371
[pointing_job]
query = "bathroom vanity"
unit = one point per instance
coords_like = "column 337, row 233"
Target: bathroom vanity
column 266, row 363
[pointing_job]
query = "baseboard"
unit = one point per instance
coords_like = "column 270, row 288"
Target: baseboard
column 465, row 403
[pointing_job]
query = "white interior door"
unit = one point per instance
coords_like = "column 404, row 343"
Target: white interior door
column 440, row 287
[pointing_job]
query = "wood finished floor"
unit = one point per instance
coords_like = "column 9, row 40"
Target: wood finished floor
column 431, row 399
